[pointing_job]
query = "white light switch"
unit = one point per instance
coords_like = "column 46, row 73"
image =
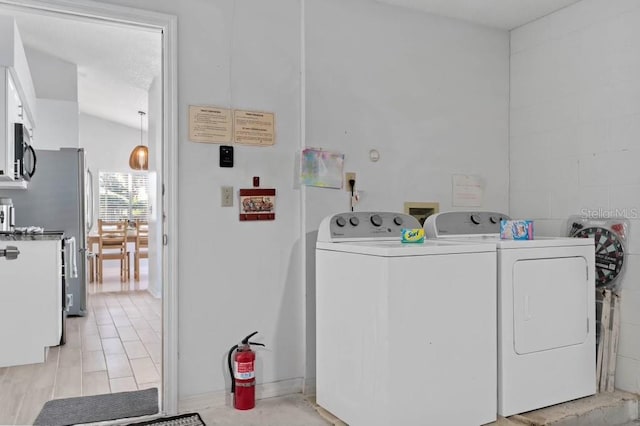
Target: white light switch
column 226, row 196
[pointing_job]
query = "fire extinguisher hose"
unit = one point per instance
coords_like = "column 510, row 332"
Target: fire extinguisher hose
column 233, row 382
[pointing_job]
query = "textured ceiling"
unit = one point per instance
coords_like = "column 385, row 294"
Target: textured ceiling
column 116, row 63
column 502, row 14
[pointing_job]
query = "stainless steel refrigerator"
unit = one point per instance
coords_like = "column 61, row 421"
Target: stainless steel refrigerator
column 60, row 198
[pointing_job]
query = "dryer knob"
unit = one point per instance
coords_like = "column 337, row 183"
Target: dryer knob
column 354, row 221
column 475, row 219
column 376, row 220
column 340, row 221
column 493, row 219
column 397, row 220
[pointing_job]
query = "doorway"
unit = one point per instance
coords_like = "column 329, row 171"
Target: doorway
column 159, row 313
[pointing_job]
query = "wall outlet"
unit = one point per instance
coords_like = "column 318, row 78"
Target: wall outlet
column 227, row 196
column 347, row 177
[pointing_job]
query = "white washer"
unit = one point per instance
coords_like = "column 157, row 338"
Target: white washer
column 546, row 311
column 405, row 333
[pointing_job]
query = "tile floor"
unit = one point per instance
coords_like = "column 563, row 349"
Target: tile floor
column 116, row 347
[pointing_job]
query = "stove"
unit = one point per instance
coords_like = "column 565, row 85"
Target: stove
column 41, row 235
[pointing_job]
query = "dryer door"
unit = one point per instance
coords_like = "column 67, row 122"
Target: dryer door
column 549, row 303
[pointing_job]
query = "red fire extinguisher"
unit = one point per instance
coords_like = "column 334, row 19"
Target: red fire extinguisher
column 243, row 382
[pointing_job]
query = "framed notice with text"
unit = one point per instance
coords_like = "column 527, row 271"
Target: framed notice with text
column 254, row 128
column 210, row 124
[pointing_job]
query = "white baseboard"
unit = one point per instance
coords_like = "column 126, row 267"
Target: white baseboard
column 155, row 292
column 221, row 398
column 202, row 401
column 281, row 388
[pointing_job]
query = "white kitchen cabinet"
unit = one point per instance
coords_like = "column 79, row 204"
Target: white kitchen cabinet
column 31, row 302
column 12, row 114
column 17, row 97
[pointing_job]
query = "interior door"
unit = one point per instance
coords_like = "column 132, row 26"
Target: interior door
column 549, row 303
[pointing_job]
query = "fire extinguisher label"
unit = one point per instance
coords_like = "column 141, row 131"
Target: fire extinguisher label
column 245, row 370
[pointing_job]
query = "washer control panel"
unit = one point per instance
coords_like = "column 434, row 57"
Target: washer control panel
column 463, row 223
column 365, row 225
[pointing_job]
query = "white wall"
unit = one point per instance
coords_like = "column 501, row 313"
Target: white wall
column 53, row 78
column 237, row 277
column 56, row 86
column 429, row 93
column 108, row 144
column 575, row 126
column 57, row 125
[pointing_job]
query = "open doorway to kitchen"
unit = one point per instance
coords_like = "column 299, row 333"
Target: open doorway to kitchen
column 125, row 337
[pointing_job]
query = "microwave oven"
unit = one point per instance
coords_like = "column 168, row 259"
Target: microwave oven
column 25, row 155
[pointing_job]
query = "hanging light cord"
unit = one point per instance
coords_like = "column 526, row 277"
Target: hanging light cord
column 142, row 113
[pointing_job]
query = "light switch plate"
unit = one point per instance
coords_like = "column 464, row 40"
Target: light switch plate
column 227, row 196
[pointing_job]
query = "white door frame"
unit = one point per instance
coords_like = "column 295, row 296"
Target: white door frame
column 168, row 177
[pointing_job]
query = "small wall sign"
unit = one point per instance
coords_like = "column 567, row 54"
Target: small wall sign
column 468, row 191
column 257, row 204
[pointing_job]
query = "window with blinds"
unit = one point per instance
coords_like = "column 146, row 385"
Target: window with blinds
column 124, row 196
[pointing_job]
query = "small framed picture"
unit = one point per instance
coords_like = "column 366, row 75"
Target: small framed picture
column 257, row 204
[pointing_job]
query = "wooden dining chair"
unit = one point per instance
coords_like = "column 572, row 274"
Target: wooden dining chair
column 142, row 246
column 112, row 245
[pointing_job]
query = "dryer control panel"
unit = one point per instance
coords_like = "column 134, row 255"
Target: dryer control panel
column 355, row 226
column 463, row 223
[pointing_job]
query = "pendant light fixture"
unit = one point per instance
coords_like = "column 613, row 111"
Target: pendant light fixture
column 139, row 158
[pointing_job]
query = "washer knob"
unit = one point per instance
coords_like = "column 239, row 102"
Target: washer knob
column 354, row 221
column 376, row 220
column 397, row 220
column 340, row 221
column 475, row 219
column 493, row 219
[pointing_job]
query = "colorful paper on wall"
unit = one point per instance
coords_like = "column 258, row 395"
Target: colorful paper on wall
column 321, row 168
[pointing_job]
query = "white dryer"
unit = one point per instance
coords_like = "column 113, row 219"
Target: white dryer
column 405, row 333
column 546, row 311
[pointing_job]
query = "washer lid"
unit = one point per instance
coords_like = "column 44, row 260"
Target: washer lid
column 397, row 248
